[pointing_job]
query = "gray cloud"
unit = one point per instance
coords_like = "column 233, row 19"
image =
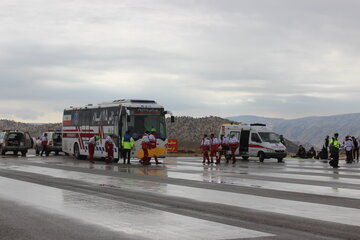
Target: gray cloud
column 272, row 58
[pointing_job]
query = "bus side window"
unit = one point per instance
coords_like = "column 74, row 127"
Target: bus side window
column 255, row 138
column 95, row 117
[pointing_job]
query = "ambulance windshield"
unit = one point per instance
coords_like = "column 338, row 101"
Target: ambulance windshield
column 269, row 137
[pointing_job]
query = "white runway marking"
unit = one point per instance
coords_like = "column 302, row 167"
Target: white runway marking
column 131, row 219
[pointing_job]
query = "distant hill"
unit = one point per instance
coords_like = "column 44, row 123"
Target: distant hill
column 311, row 130
column 189, row 131
column 35, row 130
column 255, row 119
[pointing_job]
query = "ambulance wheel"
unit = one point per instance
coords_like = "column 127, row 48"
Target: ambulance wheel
column 77, row 152
column 280, row 159
column 245, row 158
column 261, row 156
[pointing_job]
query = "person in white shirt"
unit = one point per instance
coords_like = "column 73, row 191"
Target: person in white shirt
column 348, row 146
column 109, row 148
column 91, row 147
column 44, row 143
column 152, row 139
column 145, row 145
column 224, row 142
column 234, row 144
column 214, row 145
column 205, row 147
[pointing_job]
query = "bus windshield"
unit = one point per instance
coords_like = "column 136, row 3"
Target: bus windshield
column 269, row 137
column 147, row 119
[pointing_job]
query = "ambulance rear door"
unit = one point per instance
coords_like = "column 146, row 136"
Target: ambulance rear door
column 244, row 142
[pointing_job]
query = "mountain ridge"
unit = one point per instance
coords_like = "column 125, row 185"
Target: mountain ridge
column 311, row 129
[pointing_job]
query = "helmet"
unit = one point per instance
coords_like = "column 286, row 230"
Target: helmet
column 222, row 134
column 109, row 133
column 232, row 134
column 153, row 130
column 97, row 138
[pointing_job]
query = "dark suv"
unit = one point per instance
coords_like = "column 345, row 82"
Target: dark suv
column 15, row 141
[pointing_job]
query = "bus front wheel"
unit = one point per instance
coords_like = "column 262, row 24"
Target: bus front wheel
column 77, row 152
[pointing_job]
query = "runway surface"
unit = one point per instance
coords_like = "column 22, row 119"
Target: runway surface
column 63, row 198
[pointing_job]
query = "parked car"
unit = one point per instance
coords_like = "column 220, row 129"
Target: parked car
column 54, row 143
column 15, row 141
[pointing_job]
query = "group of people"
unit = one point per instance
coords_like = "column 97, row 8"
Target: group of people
column 127, row 143
column 109, row 147
column 148, row 142
column 302, row 153
column 218, row 148
column 350, row 145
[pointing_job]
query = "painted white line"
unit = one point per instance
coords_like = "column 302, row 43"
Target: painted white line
column 342, row 215
column 122, row 217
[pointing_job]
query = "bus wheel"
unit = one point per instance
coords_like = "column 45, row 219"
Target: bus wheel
column 261, row 156
column 77, row 151
column 280, row 159
column 23, row 153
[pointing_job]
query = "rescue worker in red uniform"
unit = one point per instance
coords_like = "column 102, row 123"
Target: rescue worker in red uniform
column 91, row 147
column 214, row 145
column 224, row 142
column 109, row 148
column 234, row 144
column 44, row 143
column 205, row 147
column 145, row 145
column 152, row 143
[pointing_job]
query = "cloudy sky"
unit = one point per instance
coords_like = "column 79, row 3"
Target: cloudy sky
column 273, row 58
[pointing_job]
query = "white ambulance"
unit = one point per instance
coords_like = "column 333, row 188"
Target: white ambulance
column 256, row 140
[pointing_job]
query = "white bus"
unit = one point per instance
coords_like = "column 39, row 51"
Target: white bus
column 81, row 123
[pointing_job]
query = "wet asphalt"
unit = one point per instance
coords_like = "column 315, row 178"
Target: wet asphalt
column 58, row 197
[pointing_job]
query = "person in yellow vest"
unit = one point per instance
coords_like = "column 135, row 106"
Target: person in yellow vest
column 334, row 151
column 127, row 144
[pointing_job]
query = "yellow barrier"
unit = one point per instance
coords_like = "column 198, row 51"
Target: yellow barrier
column 152, row 152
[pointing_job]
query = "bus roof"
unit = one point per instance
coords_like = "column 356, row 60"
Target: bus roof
column 136, row 103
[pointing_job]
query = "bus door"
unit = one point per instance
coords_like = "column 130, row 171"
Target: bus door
column 85, row 124
column 120, row 125
column 244, row 142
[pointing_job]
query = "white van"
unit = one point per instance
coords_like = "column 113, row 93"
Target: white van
column 256, row 140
